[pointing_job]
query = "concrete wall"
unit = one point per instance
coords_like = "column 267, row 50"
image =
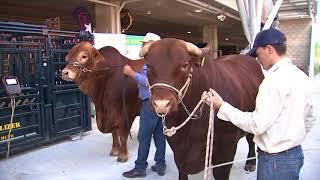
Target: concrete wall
column 298, row 32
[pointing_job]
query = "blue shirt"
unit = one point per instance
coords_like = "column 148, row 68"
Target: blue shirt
column 141, row 79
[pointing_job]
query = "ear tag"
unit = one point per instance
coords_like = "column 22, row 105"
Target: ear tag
column 202, row 61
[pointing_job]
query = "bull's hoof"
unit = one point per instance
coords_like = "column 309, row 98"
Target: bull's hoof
column 122, row 159
column 250, row 167
column 114, row 153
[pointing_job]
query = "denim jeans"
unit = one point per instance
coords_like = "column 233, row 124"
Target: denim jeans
column 150, row 125
column 285, row 165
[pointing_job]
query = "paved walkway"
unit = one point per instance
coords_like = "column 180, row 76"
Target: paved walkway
column 88, row 158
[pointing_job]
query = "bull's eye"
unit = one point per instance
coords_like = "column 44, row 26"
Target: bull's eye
column 83, row 58
column 185, row 66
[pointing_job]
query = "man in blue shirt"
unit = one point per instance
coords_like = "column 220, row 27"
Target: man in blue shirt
column 150, row 125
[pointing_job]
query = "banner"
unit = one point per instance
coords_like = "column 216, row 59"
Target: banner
column 133, row 46
column 127, row 45
column 117, row 41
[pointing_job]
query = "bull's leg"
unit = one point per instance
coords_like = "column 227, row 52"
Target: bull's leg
column 183, row 176
column 224, row 149
column 250, row 164
column 115, row 143
column 123, row 151
column 99, row 120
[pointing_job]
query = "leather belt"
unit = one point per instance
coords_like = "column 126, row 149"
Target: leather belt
column 273, row 154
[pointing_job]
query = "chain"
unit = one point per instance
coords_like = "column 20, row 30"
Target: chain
column 163, row 120
column 197, row 115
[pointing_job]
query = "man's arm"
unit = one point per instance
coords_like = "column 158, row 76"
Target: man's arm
column 141, row 78
column 256, row 122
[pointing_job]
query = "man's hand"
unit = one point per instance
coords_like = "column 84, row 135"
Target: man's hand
column 216, row 98
column 127, row 70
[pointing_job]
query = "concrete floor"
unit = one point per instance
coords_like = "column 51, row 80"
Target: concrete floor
column 87, row 158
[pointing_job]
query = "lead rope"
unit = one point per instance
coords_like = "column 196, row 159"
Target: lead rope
column 209, row 148
column 170, row 132
column 13, row 106
column 210, row 135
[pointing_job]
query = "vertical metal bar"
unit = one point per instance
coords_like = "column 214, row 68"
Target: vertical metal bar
column 12, row 63
column 1, row 63
column 25, row 67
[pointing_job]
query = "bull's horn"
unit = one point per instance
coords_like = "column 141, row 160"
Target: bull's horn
column 144, row 50
column 193, row 49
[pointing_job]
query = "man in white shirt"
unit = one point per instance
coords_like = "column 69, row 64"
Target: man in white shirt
column 283, row 113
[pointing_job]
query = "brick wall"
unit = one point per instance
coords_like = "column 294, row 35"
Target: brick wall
column 298, row 32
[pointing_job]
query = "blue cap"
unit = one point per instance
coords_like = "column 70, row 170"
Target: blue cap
column 270, row 36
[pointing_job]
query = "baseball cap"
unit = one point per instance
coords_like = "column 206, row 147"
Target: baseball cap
column 151, row 37
column 270, row 36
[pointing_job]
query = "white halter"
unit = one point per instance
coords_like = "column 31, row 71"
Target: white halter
column 181, row 93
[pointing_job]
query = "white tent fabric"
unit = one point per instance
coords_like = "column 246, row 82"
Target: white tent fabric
column 252, row 11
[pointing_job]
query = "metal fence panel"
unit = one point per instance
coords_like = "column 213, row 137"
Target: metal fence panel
column 48, row 108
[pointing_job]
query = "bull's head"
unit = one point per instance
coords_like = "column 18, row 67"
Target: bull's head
column 169, row 63
column 81, row 59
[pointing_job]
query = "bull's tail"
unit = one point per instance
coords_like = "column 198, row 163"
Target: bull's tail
column 125, row 112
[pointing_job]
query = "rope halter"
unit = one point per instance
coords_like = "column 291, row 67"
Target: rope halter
column 77, row 65
column 181, row 93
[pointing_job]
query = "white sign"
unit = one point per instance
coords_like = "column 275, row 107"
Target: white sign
column 117, row 41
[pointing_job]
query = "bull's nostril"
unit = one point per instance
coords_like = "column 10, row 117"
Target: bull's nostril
column 64, row 73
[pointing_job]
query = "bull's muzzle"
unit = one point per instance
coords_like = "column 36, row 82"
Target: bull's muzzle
column 163, row 101
column 161, row 106
column 67, row 75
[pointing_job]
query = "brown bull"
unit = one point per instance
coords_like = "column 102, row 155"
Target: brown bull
column 98, row 73
column 236, row 78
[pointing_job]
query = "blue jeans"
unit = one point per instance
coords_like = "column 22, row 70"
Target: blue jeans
column 285, row 165
column 150, row 125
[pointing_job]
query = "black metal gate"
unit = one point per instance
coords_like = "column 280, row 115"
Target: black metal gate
column 48, row 108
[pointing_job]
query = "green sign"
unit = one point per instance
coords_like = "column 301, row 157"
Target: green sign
column 315, row 51
column 134, row 40
column 317, row 57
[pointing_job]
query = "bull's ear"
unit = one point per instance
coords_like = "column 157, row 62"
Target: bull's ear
column 200, row 60
column 67, row 57
column 205, row 50
column 96, row 55
column 145, row 48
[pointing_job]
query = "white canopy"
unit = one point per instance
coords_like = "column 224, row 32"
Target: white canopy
column 253, row 12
